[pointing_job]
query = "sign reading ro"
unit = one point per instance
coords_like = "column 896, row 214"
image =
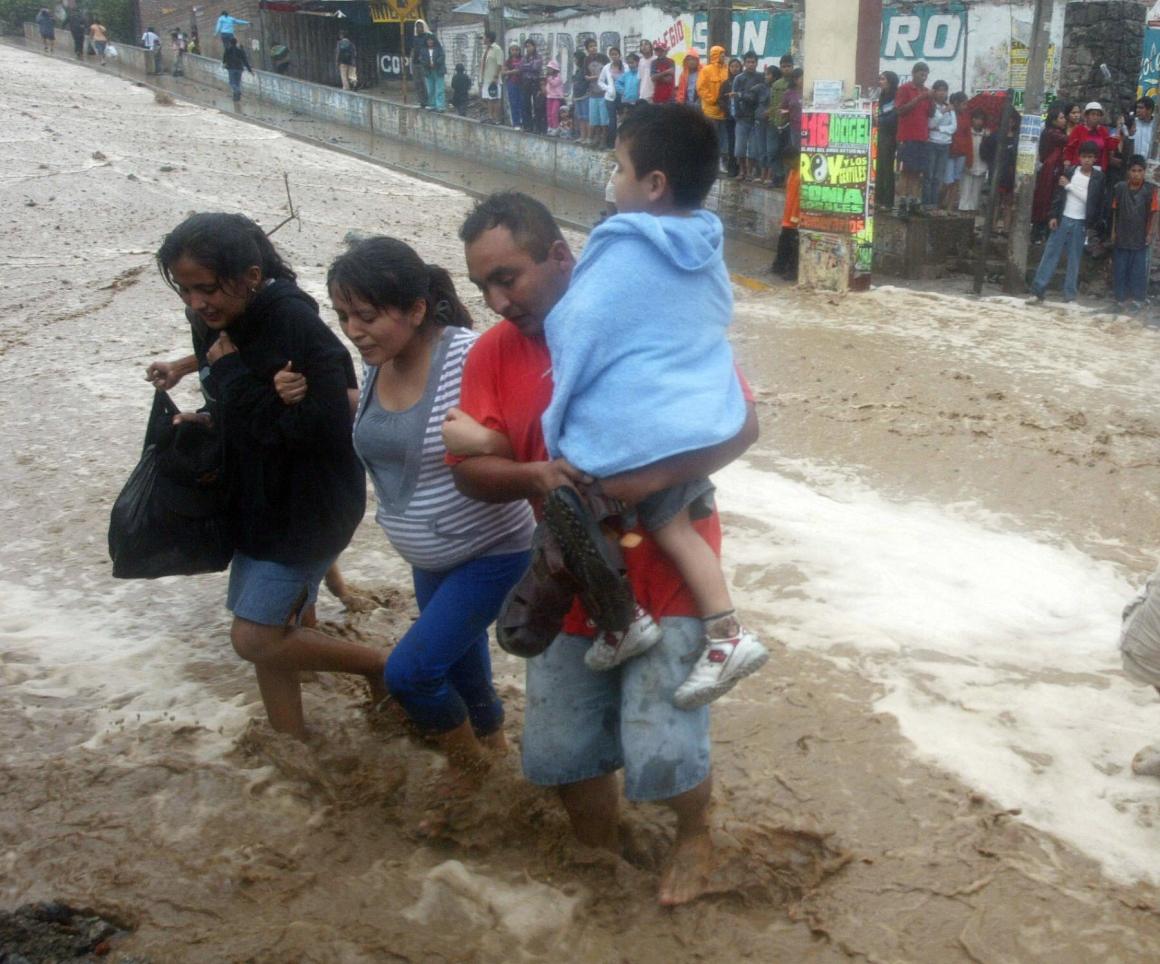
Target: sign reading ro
column 923, row 31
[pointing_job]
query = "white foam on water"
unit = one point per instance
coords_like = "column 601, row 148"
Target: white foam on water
column 997, row 650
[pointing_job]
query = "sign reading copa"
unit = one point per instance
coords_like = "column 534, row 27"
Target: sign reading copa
column 836, row 168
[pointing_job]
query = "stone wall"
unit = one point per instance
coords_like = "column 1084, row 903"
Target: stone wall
column 1099, row 32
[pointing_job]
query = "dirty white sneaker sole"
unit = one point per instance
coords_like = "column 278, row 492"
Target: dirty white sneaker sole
column 610, row 649
column 720, row 667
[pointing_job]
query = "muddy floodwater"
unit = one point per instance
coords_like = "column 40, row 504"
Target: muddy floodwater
column 950, row 504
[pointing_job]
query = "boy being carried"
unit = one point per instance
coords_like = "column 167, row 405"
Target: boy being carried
column 681, row 363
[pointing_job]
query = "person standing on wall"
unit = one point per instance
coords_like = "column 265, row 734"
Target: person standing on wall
column 709, row 82
column 100, row 38
column 418, row 54
column 531, row 67
column 434, row 72
column 645, row 71
column 511, row 83
column 151, row 41
column 490, row 71
column 914, row 105
column 744, row 94
column 344, row 56
column 47, row 27
column 235, row 61
column 178, row 43
column 226, row 27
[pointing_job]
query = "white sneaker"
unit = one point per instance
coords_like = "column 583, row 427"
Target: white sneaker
column 610, row 649
column 722, row 663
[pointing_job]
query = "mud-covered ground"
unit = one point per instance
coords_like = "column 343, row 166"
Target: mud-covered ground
column 951, row 502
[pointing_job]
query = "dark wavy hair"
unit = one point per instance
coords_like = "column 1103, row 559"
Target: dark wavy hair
column 226, row 244
column 388, row 273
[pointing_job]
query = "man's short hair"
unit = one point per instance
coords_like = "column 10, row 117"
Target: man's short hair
column 1146, row 102
column 489, row 36
column 1137, row 160
column 786, row 60
column 940, row 85
column 677, row 140
column 1089, row 147
column 921, row 65
column 750, row 55
column 531, row 224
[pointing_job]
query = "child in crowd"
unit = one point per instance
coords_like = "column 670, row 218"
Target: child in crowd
column 975, row 167
column 554, row 93
column 940, row 129
column 539, row 102
column 630, row 81
column 580, row 95
column 565, row 128
column 1079, row 203
column 1134, row 207
column 460, row 87
column 666, row 165
column 956, row 161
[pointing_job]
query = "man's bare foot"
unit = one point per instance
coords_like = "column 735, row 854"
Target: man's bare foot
column 495, row 743
column 685, row 876
column 355, row 601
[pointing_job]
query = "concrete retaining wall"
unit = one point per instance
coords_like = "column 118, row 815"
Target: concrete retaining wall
column 749, row 212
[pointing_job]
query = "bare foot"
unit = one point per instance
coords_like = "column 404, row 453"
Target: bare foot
column 685, row 876
column 355, row 602
column 494, row 743
column 451, row 798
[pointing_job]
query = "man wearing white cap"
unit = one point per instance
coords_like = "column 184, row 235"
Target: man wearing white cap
column 1090, row 130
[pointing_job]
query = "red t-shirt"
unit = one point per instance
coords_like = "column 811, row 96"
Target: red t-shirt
column 1079, row 134
column 663, row 90
column 507, row 385
column 912, row 126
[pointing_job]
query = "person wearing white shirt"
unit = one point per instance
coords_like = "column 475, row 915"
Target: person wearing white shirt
column 1145, row 127
column 942, row 123
column 152, row 44
column 1078, row 201
column 644, row 71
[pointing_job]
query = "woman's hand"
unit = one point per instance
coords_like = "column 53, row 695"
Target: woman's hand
column 290, row 385
column 163, row 375
column 220, row 348
column 197, row 418
column 465, row 437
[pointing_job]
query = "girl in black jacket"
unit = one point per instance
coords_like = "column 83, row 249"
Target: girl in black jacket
column 296, row 487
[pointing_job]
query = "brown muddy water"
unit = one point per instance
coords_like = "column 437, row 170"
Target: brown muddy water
column 951, row 500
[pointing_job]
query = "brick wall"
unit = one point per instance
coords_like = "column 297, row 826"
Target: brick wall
column 167, row 15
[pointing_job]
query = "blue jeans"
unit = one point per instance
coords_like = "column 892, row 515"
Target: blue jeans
column 436, row 91
column 773, row 150
column 936, row 170
column 745, row 145
column 515, row 98
column 236, row 83
column 722, row 136
column 579, row 724
column 1130, row 274
column 440, row 671
column 1069, row 236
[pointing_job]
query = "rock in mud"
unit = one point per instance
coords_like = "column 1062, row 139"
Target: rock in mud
column 55, row 932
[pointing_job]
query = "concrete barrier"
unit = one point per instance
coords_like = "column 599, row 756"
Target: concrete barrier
column 749, row 212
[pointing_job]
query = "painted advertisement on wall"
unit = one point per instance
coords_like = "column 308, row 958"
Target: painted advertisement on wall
column 974, row 45
column 767, row 33
column 1148, row 84
column 837, row 184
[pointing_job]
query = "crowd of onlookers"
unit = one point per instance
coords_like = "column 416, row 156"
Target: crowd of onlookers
column 937, row 151
column 755, row 113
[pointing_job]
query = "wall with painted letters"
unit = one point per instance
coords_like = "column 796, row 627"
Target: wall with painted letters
column 973, row 45
column 769, row 33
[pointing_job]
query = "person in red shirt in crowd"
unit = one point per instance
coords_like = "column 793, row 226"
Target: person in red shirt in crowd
column 1092, row 130
column 664, row 74
column 518, row 258
column 914, row 104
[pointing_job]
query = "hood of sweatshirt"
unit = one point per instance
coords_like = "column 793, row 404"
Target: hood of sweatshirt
column 687, row 242
column 717, row 55
column 695, row 57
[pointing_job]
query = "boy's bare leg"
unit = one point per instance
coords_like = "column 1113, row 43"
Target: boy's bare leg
column 697, row 564
column 593, row 808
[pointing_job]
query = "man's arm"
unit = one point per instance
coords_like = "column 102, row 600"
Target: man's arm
column 637, row 484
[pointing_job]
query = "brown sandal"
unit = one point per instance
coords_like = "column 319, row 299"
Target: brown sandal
column 533, row 613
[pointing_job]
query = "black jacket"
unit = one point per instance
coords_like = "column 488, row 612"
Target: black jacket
column 234, row 58
column 746, row 86
column 1095, row 200
column 297, row 490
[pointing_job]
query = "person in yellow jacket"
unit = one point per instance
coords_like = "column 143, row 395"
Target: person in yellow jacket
column 709, row 81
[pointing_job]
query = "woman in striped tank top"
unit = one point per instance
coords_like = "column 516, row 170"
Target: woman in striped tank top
column 412, row 331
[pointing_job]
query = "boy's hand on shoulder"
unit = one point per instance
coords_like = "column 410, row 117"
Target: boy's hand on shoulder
column 290, row 385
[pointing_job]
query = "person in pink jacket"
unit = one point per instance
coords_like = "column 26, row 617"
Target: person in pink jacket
column 556, row 95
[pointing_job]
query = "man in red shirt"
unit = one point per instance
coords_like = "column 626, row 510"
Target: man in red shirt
column 580, row 727
column 664, row 72
column 914, row 104
column 1090, row 130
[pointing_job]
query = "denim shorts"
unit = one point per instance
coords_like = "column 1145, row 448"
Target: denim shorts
column 597, row 111
column 954, row 171
column 660, row 508
column 579, row 724
column 273, row 593
column 912, row 155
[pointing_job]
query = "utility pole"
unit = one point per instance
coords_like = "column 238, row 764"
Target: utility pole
column 721, row 25
column 1020, row 239
column 495, row 23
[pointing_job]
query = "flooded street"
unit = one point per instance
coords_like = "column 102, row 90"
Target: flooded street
column 951, row 503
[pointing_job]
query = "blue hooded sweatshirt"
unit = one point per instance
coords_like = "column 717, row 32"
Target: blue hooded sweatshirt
column 640, row 363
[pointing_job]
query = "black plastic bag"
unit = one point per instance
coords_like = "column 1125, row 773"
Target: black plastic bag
column 170, row 518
